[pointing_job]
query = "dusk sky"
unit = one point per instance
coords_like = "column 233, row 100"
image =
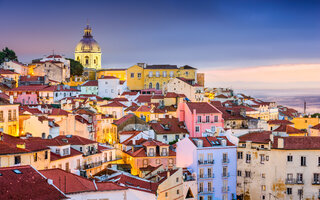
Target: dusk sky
column 240, row 44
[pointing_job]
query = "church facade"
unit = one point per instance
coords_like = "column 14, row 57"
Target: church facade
column 88, row 51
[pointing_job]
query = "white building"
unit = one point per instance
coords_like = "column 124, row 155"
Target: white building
column 108, row 87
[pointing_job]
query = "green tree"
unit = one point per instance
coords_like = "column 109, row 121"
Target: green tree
column 315, row 115
column 76, row 68
column 7, row 54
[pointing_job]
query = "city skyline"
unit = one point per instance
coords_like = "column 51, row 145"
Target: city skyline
column 216, row 38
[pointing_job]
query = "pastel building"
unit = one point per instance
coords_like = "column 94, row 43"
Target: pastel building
column 108, row 87
column 214, row 160
column 200, row 117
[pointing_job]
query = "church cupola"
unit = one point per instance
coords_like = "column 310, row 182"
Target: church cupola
column 87, row 32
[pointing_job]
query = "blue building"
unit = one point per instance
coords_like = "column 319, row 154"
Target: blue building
column 214, row 159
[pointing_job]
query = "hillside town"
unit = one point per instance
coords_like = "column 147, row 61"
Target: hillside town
column 146, row 131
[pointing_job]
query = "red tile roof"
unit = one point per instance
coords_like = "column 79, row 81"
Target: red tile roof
column 279, row 122
column 135, row 183
column 169, row 126
column 174, row 95
column 129, row 93
column 6, row 148
column 108, row 77
column 298, row 143
column 58, row 111
column 202, row 107
column 74, row 140
column 30, row 78
column 316, row 127
column 123, row 119
column 33, row 111
column 142, row 98
column 114, row 104
column 5, row 71
column 256, row 137
column 90, row 83
column 54, row 56
column 71, row 183
column 27, row 183
column 120, row 99
column 288, row 129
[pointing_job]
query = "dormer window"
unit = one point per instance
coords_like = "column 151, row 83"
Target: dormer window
column 200, row 143
column 151, row 152
column 164, row 152
column 66, row 151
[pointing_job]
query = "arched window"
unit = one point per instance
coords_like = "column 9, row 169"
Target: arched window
column 87, row 60
column 158, row 86
column 78, row 58
column 150, row 85
column 96, row 60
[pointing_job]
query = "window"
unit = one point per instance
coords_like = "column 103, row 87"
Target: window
column 289, row 158
column 165, row 138
column 9, row 115
column 262, row 158
column 66, row 151
column 239, row 173
column 300, row 192
column 150, row 74
column 177, row 137
column 166, row 194
column 46, row 155
column 199, row 119
column 1, row 116
column 164, row 152
column 316, row 178
column 177, row 179
column 201, row 187
column 247, row 174
column 289, row 191
column 210, row 158
column 164, row 73
column 209, row 172
column 263, row 187
column 207, row 119
column 35, row 157
column 170, row 162
column 14, row 115
column 225, row 172
column 303, row 161
column 187, row 73
column 201, row 172
column 225, row 158
column 299, row 178
column 171, row 74
column 157, row 86
column 209, row 197
column 106, row 82
column 151, row 151
column 177, row 191
column 216, row 118
column 157, row 74
column 43, row 135
column 150, row 85
column 139, row 75
column 145, row 162
column 240, row 155
column 17, row 160
column 197, row 129
column 209, row 186
column 132, row 75
column 248, row 158
column 319, row 161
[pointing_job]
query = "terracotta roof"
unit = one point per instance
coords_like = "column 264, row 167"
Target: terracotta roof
column 58, row 111
column 210, row 141
column 6, row 71
column 4, row 96
column 174, row 95
column 188, row 81
column 74, row 140
column 120, row 99
column 157, row 97
column 54, row 56
column 164, row 175
column 30, row 88
column 279, row 122
column 256, row 137
column 33, row 111
column 129, row 93
column 154, row 143
column 114, row 104
column 123, row 119
column 30, row 78
column 90, row 83
column 202, row 107
column 71, row 183
column 6, row 148
column 288, row 129
column 316, row 127
column 135, row 183
column 169, row 126
column 108, row 77
column 128, row 132
column 298, row 143
column 216, row 103
column 24, row 182
column 143, row 98
column 221, row 96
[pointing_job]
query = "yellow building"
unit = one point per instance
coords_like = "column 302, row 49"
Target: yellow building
column 156, row 76
column 119, row 73
column 88, row 51
column 305, row 123
column 9, row 118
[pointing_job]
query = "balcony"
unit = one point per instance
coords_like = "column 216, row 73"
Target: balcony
column 225, row 175
column 91, row 165
column 291, row 181
column 316, row 182
column 225, row 189
column 205, row 176
column 206, row 190
column 225, row 161
column 205, row 162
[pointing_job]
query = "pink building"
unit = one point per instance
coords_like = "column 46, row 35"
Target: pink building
column 200, row 117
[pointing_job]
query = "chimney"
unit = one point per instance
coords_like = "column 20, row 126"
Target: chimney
column 280, row 143
column 11, row 99
column 271, row 137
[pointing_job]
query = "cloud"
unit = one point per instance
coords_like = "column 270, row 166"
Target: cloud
column 287, row 76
